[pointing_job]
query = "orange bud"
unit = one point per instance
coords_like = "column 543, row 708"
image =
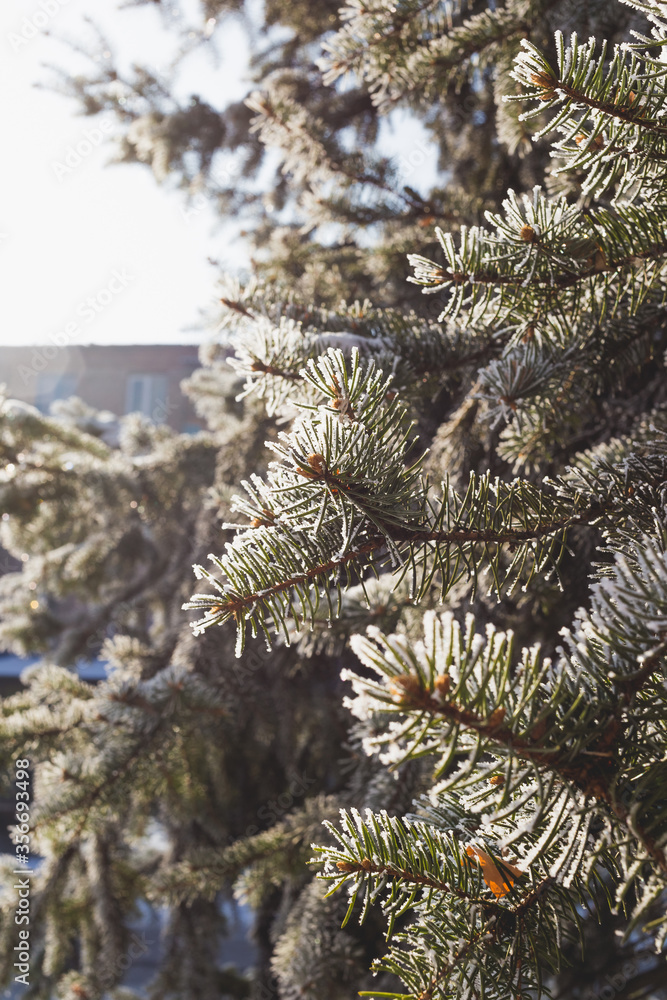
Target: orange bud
column 528, row 234
column 499, row 884
column 406, row 689
column 545, row 80
column 267, row 520
column 317, row 463
column 598, row 141
column 347, row 866
column 599, row 260
column 508, row 401
column 442, row 684
column 497, row 779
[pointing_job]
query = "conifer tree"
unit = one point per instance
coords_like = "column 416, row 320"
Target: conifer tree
column 464, row 511
column 549, row 794
column 183, row 751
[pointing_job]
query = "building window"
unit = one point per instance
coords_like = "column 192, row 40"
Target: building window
column 52, row 387
column 147, row 394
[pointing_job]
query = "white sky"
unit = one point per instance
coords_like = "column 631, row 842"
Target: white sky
column 62, row 239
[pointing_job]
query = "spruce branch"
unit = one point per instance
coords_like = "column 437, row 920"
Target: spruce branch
column 609, row 112
column 408, row 856
column 272, row 351
column 630, row 88
column 456, row 683
column 341, row 500
column 546, row 388
column 541, row 248
column 250, row 862
column 415, row 866
column 595, row 779
column 443, row 975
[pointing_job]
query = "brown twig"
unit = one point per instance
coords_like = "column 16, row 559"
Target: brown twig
column 416, row 878
column 456, row 536
column 594, row 778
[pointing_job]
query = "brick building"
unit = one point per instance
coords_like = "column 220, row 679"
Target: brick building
column 143, row 378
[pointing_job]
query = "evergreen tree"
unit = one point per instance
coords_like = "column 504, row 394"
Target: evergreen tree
column 549, row 794
column 186, row 775
column 503, row 783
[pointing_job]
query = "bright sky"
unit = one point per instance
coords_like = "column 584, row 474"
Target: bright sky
column 64, row 237
column 110, row 234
